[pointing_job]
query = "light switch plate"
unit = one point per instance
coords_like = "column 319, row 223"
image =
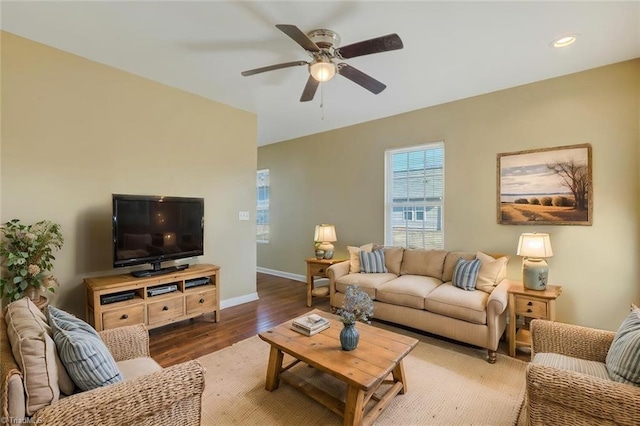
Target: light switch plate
column 243, row 215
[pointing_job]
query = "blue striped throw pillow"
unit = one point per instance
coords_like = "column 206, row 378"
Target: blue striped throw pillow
column 372, row 262
column 83, row 353
column 623, row 358
column 465, row 273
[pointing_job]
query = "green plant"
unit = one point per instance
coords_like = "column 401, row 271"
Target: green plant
column 356, row 306
column 27, row 254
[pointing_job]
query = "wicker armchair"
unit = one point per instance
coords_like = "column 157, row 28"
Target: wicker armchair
column 563, row 397
column 168, row 397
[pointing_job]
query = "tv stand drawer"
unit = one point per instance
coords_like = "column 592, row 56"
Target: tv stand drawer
column 129, row 315
column 201, row 302
column 165, row 310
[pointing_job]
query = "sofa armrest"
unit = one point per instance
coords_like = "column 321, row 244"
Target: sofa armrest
column 134, row 401
column 498, row 299
column 127, row 342
column 570, row 340
column 559, row 396
column 334, row 272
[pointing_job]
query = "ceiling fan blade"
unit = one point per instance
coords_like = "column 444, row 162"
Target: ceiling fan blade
column 273, row 67
column 358, row 77
column 309, row 89
column 367, row 47
column 299, row 37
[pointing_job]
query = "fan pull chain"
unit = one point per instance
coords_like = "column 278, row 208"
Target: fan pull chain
column 321, row 101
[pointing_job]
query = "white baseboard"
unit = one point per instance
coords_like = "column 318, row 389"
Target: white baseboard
column 234, row 301
column 318, row 282
column 282, row 274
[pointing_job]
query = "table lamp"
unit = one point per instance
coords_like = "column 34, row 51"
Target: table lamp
column 535, row 270
column 326, row 234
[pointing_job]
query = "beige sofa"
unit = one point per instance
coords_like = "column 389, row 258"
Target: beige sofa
column 417, row 292
column 34, row 386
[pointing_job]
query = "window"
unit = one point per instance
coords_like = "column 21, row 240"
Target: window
column 414, row 196
column 262, row 209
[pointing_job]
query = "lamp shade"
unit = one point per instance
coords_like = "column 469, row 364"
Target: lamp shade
column 326, row 233
column 534, row 245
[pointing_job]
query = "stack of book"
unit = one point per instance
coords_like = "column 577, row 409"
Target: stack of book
column 310, row 324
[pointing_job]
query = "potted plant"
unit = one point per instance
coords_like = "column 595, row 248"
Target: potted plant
column 356, row 306
column 27, row 255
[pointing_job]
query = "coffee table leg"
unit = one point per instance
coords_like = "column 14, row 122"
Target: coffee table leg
column 353, row 406
column 274, row 368
column 398, row 376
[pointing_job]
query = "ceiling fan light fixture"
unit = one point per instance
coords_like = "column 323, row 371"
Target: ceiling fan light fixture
column 322, row 69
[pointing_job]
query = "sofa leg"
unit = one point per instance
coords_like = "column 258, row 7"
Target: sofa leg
column 492, row 356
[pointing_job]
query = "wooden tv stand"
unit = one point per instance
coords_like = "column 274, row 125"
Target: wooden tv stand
column 153, row 311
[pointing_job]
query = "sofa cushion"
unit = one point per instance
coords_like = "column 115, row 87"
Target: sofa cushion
column 84, row 354
column 429, row 263
column 456, row 303
column 407, row 290
column 492, row 271
column 372, row 262
column 623, row 358
column 450, row 263
column 392, row 257
column 563, row 362
column 367, row 282
column 354, row 257
column 34, row 352
column 132, row 368
column 465, row 274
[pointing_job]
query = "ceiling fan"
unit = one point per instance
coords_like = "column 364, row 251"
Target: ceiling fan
column 322, row 46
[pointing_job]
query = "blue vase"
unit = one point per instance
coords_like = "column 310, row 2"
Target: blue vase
column 349, row 337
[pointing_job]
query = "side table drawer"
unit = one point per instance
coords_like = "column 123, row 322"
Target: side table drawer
column 318, row 270
column 203, row 301
column 532, row 308
column 129, row 315
column 165, row 310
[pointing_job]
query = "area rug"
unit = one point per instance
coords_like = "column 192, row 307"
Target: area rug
column 448, row 384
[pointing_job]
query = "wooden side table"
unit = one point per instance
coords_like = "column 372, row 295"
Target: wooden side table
column 539, row 304
column 318, row 268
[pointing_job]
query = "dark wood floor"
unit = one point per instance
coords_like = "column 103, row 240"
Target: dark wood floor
column 280, row 299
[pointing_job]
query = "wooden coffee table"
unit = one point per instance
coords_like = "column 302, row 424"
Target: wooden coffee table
column 378, row 355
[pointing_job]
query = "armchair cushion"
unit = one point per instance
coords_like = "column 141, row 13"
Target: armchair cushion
column 623, row 359
column 35, row 354
column 563, row 362
column 83, row 353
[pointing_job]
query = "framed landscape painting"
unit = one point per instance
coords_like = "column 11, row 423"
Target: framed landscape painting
column 550, row 186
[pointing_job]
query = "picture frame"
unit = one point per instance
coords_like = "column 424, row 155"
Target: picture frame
column 548, row 186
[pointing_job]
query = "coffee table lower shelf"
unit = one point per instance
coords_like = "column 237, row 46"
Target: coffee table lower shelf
column 386, row 351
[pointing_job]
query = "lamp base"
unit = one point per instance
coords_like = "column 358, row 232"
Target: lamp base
column 328, row 250
column 535, row 273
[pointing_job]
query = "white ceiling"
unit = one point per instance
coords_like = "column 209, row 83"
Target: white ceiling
column 452, row 50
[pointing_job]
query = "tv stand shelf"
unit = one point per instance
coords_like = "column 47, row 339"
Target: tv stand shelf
column 153, row 311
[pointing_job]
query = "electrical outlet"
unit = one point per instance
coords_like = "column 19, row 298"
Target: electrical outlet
column 243, row 215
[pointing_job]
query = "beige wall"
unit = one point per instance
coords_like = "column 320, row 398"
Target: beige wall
column 75, row 131
column 338, row 177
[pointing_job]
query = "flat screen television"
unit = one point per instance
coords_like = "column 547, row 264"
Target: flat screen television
column 153, row 229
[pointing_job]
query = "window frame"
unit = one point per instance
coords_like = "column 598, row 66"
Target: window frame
column 388, row 193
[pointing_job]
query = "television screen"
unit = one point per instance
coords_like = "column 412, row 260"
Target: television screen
column 153, row 229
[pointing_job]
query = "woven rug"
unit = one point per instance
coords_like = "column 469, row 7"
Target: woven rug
column 448, row 384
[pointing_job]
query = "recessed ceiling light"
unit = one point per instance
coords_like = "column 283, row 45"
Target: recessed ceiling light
column 565, row 40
